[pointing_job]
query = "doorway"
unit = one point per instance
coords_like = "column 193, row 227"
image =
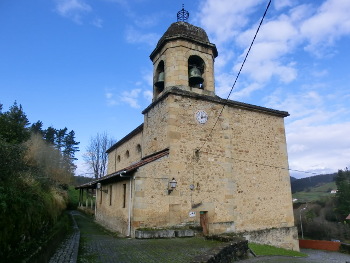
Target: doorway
column 204, row 222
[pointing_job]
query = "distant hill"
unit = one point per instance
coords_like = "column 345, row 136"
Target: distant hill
column 303, row 184
column 292, row 179
column 315, row 193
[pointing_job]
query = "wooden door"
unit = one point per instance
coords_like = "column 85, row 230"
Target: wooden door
column 204, row 222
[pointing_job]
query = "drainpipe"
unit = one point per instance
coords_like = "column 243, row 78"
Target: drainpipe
column 96, row 195
column 129, row 208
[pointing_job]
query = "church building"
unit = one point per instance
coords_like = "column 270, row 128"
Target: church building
column 198, row 160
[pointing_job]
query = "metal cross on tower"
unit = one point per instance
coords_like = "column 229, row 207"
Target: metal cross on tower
column 183, row 15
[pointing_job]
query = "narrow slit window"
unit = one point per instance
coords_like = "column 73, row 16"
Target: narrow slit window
column 110, row 195
column 124, row 195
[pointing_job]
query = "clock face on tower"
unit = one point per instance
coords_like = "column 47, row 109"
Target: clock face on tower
column 201, row 116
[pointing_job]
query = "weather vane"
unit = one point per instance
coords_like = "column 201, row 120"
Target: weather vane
column 183, row 15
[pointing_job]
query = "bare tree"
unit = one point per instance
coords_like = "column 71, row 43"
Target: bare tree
column 96, row 156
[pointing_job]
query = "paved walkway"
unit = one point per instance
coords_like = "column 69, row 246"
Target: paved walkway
column 99, row 245
column 68, row 250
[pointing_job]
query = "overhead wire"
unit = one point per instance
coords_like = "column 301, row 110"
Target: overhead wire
column 228, row 96
column 268, row 165
column 238, row 74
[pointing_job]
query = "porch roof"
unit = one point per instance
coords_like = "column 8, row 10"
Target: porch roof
column 119, row 174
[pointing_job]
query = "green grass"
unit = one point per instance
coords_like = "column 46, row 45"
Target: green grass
column 266, row 250
column 73, row 197
column 315, row 193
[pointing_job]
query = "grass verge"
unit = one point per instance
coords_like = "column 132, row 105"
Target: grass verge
column 266, row 250
column 73, row 198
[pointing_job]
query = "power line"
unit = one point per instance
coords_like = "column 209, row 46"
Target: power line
column 267, row 165
column 239, row 72
column 234, row 84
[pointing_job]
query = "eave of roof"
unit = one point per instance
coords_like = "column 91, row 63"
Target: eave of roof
column 178, row 91
column 174, row 38
column 118, row 174
column 126, row 138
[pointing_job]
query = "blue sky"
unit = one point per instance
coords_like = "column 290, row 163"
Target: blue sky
column 84, row 65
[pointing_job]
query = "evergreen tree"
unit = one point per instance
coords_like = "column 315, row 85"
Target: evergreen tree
column 14, row 125
column 70, row 148
column 50, row 135
column 60, row 138
column 343, row 194
column 37, row 128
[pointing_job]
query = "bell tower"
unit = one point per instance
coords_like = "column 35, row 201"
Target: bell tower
column 184, row 58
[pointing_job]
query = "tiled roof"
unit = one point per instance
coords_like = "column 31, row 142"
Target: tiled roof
column 128, row 169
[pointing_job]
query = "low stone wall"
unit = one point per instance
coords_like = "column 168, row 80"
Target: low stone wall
column 320, row 244
column 163, row 233
column 232, row 249
column 284, row 237
column 345, row 248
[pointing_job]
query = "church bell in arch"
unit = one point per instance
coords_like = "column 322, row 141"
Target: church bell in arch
column 160, row 82
column 195, row 76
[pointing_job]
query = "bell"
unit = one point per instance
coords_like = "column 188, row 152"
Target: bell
column 195, row 76
column 160, row 81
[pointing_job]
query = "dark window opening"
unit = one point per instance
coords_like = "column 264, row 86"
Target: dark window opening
column 195, row 72
column 110, row 195
column 159, row 78
column 124, row 195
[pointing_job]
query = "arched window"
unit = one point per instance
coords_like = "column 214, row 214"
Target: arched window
column 118, row 158
column 196, row 68
column 127, row 154
column 138, row 148
column 159, row 78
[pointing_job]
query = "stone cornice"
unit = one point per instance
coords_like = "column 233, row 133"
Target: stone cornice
column 231, row 103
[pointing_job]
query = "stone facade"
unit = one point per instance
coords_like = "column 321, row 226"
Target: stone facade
column 231, row 170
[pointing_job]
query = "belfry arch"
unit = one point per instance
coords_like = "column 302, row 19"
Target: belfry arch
column 158, row 79
column 196, row 69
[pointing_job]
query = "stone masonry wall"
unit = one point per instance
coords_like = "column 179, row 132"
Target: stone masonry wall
column 111, row 211
column 118, row 158
column 285, row 237
column 150, row 197
column 155, row 129
column 237, row 174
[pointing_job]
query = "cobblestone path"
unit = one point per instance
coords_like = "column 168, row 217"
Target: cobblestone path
column 100, row 245
column 68, row 250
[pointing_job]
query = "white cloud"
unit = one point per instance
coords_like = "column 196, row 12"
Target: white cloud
column 131, row 97
column 134, row 36
column 231, row 16
column 148, row 95
column 330, row 22
column 322, row 148
column 304, row 26
column 110, row 98
column 97, row 22
column 279, row 4
column 72, row 9
column 246, row 91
